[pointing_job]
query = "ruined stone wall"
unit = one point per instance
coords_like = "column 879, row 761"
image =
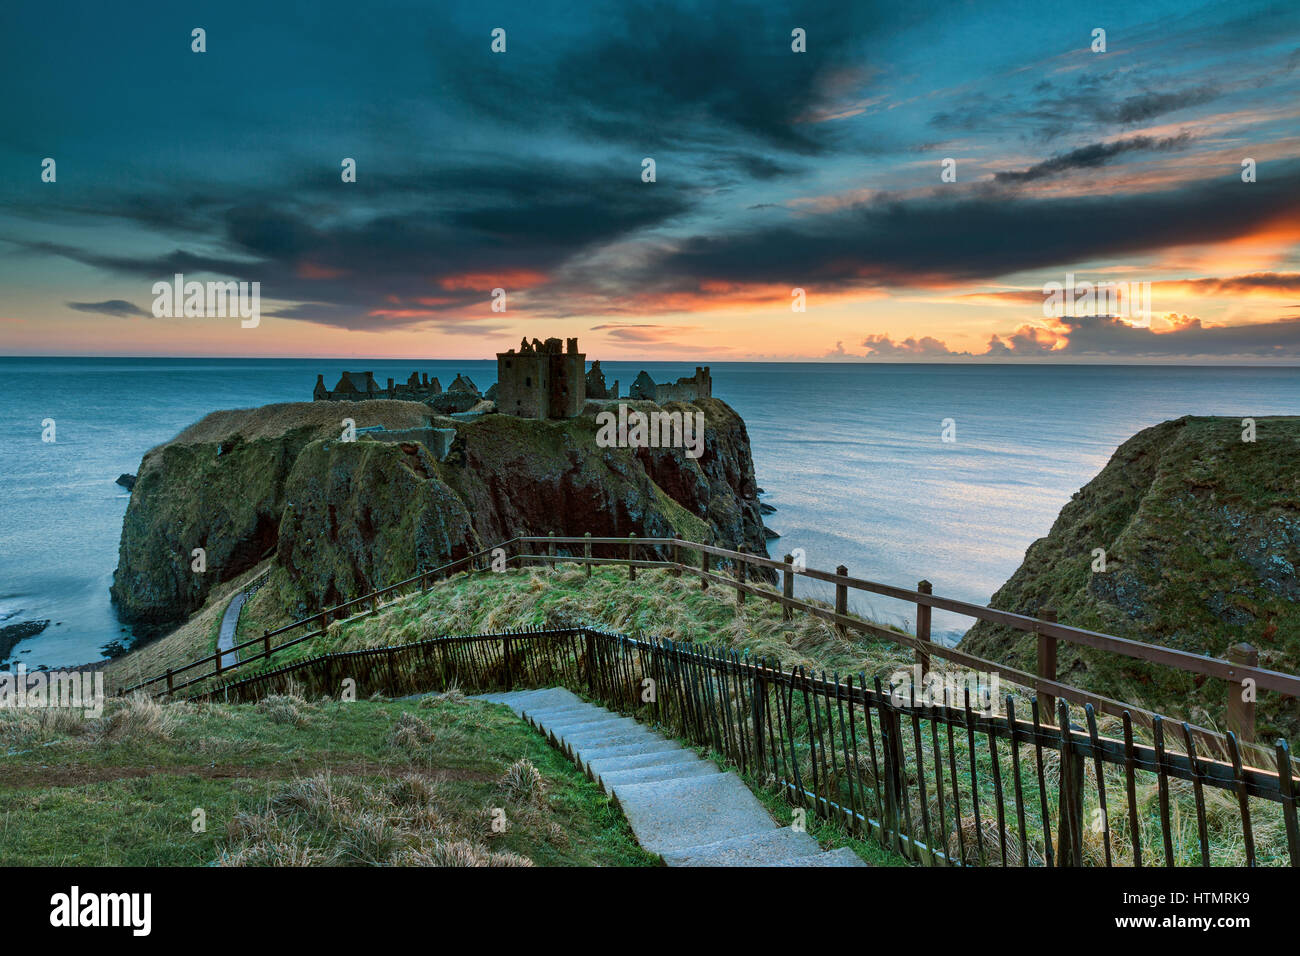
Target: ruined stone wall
column 688, row 389
column 521, row 384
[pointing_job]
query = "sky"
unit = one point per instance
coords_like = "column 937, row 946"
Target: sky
column 923, row 173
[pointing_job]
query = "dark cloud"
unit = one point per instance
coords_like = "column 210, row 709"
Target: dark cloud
column 1091, row 157
column 933, row 240
column 1108, row 336
column 1148, row 105
column 696, row 76
column 418, row 246
column 118, row 308
column 1093, row 102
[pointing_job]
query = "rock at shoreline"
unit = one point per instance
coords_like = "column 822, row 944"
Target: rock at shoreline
column 13, row 633
column 766, row 509
column 126, row 481
column 1199, row 533
column 771, row 534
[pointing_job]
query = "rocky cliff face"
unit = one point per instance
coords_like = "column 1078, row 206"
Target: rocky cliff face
column 345, row 517
column 1201, row 533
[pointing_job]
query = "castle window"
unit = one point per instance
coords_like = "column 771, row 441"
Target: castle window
column 528, row 381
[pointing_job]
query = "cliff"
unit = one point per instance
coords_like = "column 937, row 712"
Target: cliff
column 1201, row 532
column 345, row 517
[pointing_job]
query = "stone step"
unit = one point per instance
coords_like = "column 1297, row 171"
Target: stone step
column 842, row 856
column 567, row 712
column 673, row 814
column 652, row 746
column 783, row 846
column 617, row 781
column 679, row 806
column 603, row 740
column 519, row 701
column 604, row 765
column 584, row 726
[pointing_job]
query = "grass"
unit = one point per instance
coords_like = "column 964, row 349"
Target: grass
column 662, row 604
column 657, row 603
column 196, row 638
column 289, row 782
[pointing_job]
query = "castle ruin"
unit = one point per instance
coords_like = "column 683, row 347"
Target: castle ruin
column 539, row 380
column 690, row 388
column 361, row 386
column 542, row 380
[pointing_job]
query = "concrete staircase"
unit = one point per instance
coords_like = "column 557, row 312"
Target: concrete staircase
column 681, row 807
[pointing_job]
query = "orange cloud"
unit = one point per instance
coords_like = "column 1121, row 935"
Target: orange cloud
column 486, row 281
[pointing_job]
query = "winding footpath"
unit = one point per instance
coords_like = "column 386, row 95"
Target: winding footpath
column 229, row 625
column 681, row 807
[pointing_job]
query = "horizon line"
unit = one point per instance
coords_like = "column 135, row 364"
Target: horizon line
column 976, row 361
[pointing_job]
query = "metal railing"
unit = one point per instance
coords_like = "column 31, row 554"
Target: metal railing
column 938, row 784
column 706, row 562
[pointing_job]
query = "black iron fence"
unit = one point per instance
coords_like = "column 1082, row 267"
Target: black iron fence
column 939, row 783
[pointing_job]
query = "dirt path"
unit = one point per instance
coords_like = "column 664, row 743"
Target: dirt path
column 32, row 778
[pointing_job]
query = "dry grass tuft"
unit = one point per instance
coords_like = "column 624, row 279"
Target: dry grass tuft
column 140, row 718
column 522, row 782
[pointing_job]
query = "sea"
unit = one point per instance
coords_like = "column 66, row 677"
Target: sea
column 853, row 457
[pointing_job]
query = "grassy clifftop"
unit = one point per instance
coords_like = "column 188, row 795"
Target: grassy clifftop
column 345, row 517
column 290, row 782
column 1201, row 534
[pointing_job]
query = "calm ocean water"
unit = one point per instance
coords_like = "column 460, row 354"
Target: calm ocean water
column 850, row 455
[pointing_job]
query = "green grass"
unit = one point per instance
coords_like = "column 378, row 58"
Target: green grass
column 291, row 781
column 657, row 604
column 673, row 606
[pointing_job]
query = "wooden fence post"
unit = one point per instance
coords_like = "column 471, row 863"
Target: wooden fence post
column 550, row 548
column 704, row 570
column 1241, row 712
column 923, row 626
column 631, row 556
column 507, row 663
column 787, row 586
column 586, row 552
column 841, row 598
column 169, row 680
column 675, row 571
column 266, row 644
column 1069, row 844
column 740, row 576
column 1047, row 662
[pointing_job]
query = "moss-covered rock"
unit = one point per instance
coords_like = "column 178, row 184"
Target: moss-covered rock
column 219, row 486
column 346, row 517
column 363, row 513
column 1201, row 533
